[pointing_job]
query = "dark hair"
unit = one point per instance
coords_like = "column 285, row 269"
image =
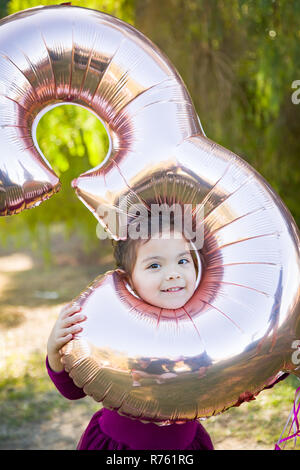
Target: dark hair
column 125, row 251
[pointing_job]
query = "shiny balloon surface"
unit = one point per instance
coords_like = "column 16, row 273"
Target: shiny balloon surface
column 235, row 335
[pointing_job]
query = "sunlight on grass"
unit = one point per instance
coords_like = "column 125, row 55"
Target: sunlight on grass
column 27, row 395
column 16, row 262
column 261, row 420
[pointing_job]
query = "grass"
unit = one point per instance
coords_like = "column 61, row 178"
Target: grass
column 27, row 395
column 260, row 421
column 28, row 398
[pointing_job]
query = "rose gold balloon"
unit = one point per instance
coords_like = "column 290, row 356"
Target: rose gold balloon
column 236, row 335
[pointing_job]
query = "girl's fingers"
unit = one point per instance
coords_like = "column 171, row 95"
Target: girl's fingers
column 73, row 329
column 65, row 308
column 67, row 334
column 61, row 341
column 78, row 318
column 70, row 310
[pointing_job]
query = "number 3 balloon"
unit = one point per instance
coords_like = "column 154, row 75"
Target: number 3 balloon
column 235, row 336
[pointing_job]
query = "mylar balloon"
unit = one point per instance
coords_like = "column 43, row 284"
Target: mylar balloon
column 237, row 333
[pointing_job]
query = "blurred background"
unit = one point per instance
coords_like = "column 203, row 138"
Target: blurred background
column 238, row 60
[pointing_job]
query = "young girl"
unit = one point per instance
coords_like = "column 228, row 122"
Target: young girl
column 161, row 271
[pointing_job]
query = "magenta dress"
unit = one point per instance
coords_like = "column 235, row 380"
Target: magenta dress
column 108, row 430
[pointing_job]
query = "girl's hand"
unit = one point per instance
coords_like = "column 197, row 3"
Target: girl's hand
column 65, row 327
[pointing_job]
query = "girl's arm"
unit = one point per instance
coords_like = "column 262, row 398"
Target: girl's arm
column 63, row 331
column 64, row 383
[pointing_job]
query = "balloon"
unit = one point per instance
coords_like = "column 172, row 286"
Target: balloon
column 235, row 335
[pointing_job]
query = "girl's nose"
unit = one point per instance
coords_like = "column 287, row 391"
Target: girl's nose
column 173, row 276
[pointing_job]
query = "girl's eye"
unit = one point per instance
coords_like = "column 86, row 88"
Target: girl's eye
column 153, row 266
column 185, row 261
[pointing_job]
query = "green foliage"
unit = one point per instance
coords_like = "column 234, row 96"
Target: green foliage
column 238, row 60
column 121, row 8
column 73, row 140
column 77, row 133
column 3, row 8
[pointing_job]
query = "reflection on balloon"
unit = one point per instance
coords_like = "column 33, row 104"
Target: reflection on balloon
column 234, row 336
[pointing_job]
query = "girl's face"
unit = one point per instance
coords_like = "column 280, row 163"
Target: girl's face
column 164, row 274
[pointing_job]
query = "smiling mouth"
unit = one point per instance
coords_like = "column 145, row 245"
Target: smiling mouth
column 173, row 289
